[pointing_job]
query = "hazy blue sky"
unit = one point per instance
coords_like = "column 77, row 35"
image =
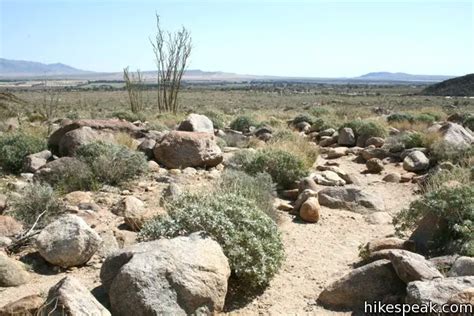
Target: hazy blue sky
column 294, row 38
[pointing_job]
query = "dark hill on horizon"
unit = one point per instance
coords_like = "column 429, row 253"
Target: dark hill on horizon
column 459, row 86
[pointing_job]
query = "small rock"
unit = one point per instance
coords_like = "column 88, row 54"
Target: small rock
column 463, row 266
column 307, row 184
column 9, row 226
column 146, row 147
column 34, row 162
column 302, row 197
column 374, row 165
column 153, row 166
column 346, row 137
column 375, row 141
column 12, row 272
column 437, row 291
column 310, row 210
column 350, row 198
column 338, row 152
column 406, row 177
column 70, row 297
column 413, row 267
column 416, row 161
column 392, row 177
column 371, row 282
column 387, row 243
column 329, row 178
column 28, row 305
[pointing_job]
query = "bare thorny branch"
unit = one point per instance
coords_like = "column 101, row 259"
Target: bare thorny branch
column 172, row 51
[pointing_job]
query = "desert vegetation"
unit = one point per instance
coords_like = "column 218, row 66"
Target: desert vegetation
column 253, row 195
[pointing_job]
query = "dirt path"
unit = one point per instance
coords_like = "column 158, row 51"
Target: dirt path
column 317, row 254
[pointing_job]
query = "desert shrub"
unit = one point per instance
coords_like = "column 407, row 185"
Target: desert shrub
column 425, row 118
column 221, row 142
column 320, row 124
column 258, row 188
column 454, row 205
column 157, row 126
column 248, row 237
column 366, row 129
column 469, row 122
column 319, row 111
column 125, row 140
column 219, row 120
column 399, row 117
column 242, row 123
column 112, row 164
column 412, row 140
column 284, row 167
column 297, row 145
column 439, row 179
column 37, row 202
column 303, row 118
column 73, row 175
column 440, row 150
column 129, row 116
column 15, row 147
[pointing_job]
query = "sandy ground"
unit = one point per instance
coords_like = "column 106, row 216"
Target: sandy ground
column 316, row 254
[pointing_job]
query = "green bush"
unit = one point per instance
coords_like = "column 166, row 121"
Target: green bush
column 284, row 167
column 36, row 199
column 400, row 117
column 425, row 118
column 112, row 164
column 242, row 123
column 455, row 205
column 129, row 116
column 469, row 122
column 412, row 140
column 303, row 118
column 319, row 111
column 218, row 119
column 366, row 129
column 74, row 175
column 15, row 147
column 248, row 237
column 444, row 151
column 321, row 124
column 258, row 188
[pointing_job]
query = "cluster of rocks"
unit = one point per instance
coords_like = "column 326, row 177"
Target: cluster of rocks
column 391, row 273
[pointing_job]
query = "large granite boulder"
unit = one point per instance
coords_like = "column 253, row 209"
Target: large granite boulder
column 350, row 198
column 179, row 276
column 180, row 149
column 197, row 123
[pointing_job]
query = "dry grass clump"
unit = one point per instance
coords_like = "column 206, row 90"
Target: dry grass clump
column 294, row 143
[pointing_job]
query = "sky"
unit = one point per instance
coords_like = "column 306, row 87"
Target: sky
column 283, row 38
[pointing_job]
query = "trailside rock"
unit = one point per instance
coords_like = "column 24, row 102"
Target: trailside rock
column 416, row 161
column 12, row 272
column 146, row 147
column 72, row 140
column 346, row 137
column 463, row 266
column 412, row 267
column 375, row 141
column 70, row 297
column 310, row 210
column 329, row 178
column 9, row 226
column 188, row 149
column 369, row 153
column 350, row 198
column 437, row 291
column 392, row 177
column 464, row 297
column 108, row 126
column 179, row 276
column 456, row 135
column 68, row 241
column 387, row 243
column 26, row 306
column 197, row 123
column 374, row 165
column 368, row 283
column 34, row 162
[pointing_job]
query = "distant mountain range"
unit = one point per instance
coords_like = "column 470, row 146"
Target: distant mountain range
column 19, row 69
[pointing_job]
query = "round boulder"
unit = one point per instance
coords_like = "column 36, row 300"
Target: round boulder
column 197, row 123
column 180, row 149
column 310, row 210
column 68, row 242
column 416, row 161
